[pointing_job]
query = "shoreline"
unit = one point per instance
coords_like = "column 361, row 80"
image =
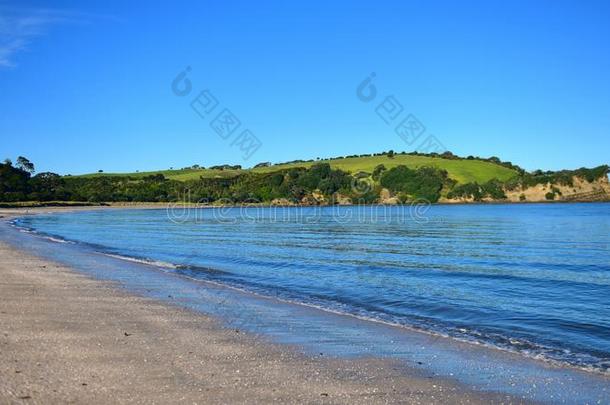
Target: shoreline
column 68, row 337
column 408, row 371
column 63, row 206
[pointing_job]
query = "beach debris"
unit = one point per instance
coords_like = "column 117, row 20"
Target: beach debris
column 324, row 394
column 128, row 334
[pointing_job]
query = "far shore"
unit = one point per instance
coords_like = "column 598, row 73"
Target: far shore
column 58, row 206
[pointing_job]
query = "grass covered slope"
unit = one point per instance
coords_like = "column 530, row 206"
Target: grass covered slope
column 172, row 174
column 462, row 170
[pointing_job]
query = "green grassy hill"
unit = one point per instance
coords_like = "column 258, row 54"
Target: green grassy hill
column 461, row 170
column 176, row 174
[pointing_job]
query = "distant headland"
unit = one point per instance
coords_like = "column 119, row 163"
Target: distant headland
column 378, row 178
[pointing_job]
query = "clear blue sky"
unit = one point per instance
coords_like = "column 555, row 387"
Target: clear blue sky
column 87, row 85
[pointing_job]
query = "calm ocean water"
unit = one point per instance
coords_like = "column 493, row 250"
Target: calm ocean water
column 528, row 278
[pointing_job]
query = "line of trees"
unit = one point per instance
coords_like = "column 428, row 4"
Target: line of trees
column 19, row 183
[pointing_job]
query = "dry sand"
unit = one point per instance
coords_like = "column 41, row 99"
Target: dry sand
column 67, row 338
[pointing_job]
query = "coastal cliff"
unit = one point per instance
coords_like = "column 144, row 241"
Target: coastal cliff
column 577, row 189
column 580, row 190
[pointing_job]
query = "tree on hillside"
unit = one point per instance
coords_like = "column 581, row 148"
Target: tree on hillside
column 423, row 182
column 48, row 186
column 377, row 171
column 25, row 165
column 448, row 155
column 390, row 153
column 13, row 182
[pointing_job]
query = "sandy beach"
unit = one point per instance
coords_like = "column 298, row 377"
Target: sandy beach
column 65, row 337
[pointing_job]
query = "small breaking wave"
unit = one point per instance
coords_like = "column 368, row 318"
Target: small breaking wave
column 551, row 355
column 16, row 223
column 150, row 262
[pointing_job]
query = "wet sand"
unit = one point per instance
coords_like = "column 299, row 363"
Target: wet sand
column 65, row 337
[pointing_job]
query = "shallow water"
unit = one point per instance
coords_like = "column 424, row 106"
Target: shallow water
column 534, row 279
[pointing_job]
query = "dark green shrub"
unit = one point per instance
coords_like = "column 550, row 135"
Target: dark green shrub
column 422, row 183
column 379, row 169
